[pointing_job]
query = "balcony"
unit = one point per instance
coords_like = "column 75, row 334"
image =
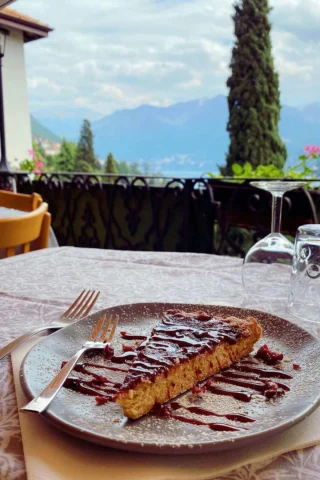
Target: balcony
column 220, row 216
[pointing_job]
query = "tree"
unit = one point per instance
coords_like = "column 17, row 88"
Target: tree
column 146, row 168
column 134, row 168
column 123, row 167
column 83, row 166
column 111, row 167
column 254, row 98
column 85, row 158
column 65, row 161
column 51, row 163
column 126, row 168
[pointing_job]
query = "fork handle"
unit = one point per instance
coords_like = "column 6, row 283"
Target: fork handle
column 43, row 400
column 15, row 343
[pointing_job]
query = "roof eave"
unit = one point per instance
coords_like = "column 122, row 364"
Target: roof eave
column 31, row 31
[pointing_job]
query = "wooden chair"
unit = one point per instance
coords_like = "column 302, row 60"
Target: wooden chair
column 20, row 201
column 24, row 229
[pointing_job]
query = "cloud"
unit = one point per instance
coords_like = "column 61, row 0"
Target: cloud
column 112, row 55
column 192, row 83
column 289, row 68
column 111, row 91
column 167, row 160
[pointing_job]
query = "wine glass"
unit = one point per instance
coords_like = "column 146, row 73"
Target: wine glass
column 266, row 267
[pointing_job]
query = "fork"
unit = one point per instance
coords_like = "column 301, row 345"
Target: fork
column 96, row 341
column 79, row 309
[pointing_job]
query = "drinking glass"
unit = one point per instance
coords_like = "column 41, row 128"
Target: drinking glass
column 304, row 296
column 266, row 267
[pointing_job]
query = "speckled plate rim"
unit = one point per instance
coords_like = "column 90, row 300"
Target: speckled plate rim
column 173, row 449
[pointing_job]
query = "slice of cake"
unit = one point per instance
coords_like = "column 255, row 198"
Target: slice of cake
column 181, row 351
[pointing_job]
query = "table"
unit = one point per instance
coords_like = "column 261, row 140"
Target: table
column 37, row 287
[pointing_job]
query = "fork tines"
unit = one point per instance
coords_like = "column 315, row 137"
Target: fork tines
column 82, row 305
column 108, row 329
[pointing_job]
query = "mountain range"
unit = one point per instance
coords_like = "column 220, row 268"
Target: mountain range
column 188, row 136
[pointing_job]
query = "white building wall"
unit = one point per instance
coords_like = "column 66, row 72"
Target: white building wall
column 16, row 109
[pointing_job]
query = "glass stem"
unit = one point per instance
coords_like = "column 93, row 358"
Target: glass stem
column 276, row 212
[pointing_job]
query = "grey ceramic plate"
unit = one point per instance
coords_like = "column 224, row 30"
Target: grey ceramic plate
column 79, row 415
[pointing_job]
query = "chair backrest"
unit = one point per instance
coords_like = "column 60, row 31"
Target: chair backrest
column 24, row 229
column 20, row 201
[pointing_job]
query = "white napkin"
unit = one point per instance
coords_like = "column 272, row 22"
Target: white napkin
column 53, row 455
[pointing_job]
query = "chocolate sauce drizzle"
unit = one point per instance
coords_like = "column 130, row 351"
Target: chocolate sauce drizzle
column 179, row 338
column 124, row 357
column 171, row 341
column 128, row 336
column 168, row 412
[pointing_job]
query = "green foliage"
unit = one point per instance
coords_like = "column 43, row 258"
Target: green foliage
column 254, row 99
column 66, row 160
column 301, row 170
column 99, row 166
column 134, row 168
column 27, row 165
column 123, row 167
column 81, row 158
column 85, row 153
column 38, row 151
column 83, row 166
column 262, row 171
column 111, row 167
column 50, row 163
column 33, row 164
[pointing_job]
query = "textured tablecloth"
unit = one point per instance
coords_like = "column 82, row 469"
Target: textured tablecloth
column 35, row 288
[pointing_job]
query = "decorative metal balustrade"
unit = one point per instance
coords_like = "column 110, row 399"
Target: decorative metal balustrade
column 143, row 213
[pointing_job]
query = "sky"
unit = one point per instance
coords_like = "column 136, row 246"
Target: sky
column 108, row 55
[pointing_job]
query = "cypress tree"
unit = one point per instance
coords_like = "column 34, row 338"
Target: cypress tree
column 85, row 160
column 111, row 167
column 254, row 98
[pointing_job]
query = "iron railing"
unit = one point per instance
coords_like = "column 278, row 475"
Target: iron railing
column 203, row 215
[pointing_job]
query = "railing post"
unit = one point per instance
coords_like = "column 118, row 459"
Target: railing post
column 188, row 187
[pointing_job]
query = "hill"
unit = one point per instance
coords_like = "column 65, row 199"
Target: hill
column 66, row 123
column 40, row 131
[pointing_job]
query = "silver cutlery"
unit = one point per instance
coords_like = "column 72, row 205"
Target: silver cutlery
column 99, row 338
column 79, row 309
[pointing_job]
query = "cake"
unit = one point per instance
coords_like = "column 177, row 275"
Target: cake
column 182, row 350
